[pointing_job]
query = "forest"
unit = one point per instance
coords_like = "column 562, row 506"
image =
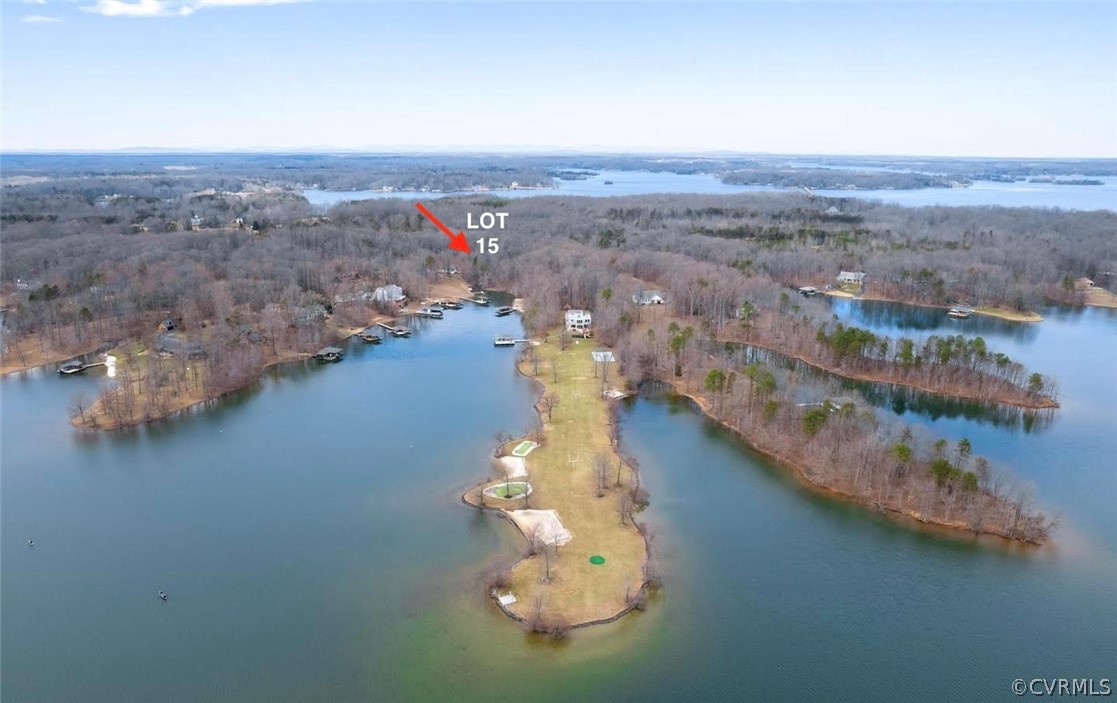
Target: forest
column 457, row 172
column 96, row 255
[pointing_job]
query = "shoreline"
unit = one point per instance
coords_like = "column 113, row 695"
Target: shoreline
column 954, row 530
column 631, row 600
column 442, row 289
column 76, row 421
column 503, row 514
column 1041, row 403
column 988, row 311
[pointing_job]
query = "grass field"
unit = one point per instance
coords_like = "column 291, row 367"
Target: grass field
column 1006, row 314
column 562, row 475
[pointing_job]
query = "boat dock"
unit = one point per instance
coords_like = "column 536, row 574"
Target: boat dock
column 507, row 340
column 329, row 354
column 77, row 367
column 399, row 331
column 369, row 336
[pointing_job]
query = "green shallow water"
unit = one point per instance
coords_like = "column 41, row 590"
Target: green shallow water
column 313, row 546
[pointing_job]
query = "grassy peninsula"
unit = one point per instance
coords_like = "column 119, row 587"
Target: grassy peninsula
column 577, row 472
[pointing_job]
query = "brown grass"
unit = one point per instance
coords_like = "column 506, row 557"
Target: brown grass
column 35, row 350
column 1093, row 295
column 1011, row 315
column 578, row 592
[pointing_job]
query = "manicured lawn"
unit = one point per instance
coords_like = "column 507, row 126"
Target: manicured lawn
column 514, row 489
column 524, row 448
column 562, row 476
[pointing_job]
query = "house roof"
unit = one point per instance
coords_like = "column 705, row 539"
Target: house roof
column 646, row 296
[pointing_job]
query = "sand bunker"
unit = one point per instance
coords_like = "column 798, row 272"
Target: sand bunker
column 543, row 523
column 514, row 466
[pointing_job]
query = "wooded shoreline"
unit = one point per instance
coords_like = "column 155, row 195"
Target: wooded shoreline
column 1036, row 403
column 908, row 517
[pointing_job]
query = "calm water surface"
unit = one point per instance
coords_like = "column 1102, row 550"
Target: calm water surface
column 311, row 539
column 1103, row 197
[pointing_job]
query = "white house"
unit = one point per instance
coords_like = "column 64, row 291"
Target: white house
column 857, row 277
column 578, row 320
column 648, row 297
column 388, row 294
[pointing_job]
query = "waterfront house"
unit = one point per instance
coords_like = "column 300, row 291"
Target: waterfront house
column 855, row 277
column 311, row 314
column 390, row 293
column 578, row 321
column 648, row 297
column 171, row 344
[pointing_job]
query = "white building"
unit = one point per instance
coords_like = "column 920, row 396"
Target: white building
column 648, row 297
column 578, row 320
column 857, row 277
column 388, row 294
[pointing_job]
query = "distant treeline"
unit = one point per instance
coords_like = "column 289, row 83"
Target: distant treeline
column 359, row 171
column 839, row 179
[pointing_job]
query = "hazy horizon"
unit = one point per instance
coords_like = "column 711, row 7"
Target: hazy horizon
column 955, row 81
column 434, row 150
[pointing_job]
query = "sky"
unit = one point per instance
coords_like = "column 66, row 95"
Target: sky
column 946, row 79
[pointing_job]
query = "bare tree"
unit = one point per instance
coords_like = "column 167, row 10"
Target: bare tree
column 79, row 403
column 625, row 506
column 547, row 403
column 502, row 438
column 601, row 471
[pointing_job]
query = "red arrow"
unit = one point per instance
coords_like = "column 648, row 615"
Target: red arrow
column 457, row 241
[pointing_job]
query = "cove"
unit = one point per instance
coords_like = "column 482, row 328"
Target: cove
column 310, row 537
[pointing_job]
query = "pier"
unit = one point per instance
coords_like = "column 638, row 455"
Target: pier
column 77, row 367
column 395, row 331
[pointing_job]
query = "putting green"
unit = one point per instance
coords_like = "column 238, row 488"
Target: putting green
column 509, row 491
column 524, row 448
column 597, row 560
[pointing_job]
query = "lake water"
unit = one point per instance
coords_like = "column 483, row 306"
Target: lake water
column 1103, row 197
column 310, row 535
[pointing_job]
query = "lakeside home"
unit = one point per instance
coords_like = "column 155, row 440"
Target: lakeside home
column 578, row 321
column 854, row 277
column 390, row 293
column 648, row 297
